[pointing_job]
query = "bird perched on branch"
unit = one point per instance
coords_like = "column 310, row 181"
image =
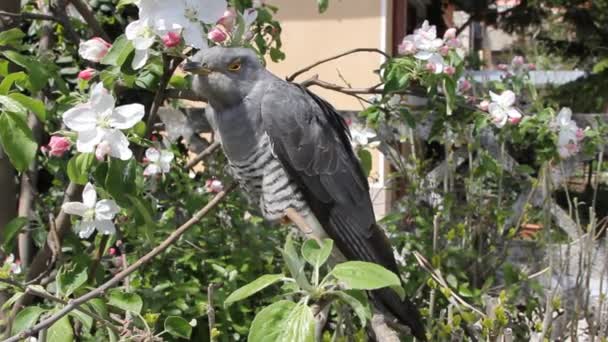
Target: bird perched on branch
column 291, row 153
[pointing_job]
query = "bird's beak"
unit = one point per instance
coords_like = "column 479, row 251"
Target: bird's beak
column 197, row 68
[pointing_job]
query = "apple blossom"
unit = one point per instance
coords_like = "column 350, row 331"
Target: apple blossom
column 464, row 85
column 569, row 134
column 94, row 49
column 57, row 146
column 430, row 67
column 87, row 74
column 517, row 61
column 159, row 161
column 449, row 70
column 502, row 108
column 98, row 121
column 102, row 150
column 449, row 34
column 444, row 50
column 214, row 186
column 217, row 35
column 483, row 105
column 407, row 47
column 361, row 137
column 141, row 34
column 427, row 46
column 228, row 19
column 95, row 214
column 14, row 266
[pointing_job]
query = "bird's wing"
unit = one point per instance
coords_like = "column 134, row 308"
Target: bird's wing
column 313, row 144
column 311, row 140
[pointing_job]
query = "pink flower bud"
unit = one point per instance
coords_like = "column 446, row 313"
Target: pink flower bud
column 86, row 74
column 444, row 50
column 102, row 150
column 502, row 67
column 580, row 134
column 214, row 186
column 531, row 66
column 449, row 34
column 430, row 67
column 483, row 105
column 112, row 251
column 449, row 70
column 465, row 86
column 348, row 121
column 453, row 43
column 228, row 19
column 217, row 35
column 58, row 146
column 94, row 49
column 171, row 39
column 517, row 61
column 407, row 47
column 514, row 120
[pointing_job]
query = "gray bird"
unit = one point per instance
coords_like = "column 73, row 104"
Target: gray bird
column 288, row 148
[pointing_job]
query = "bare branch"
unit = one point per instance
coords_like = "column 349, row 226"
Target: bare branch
column 169, row 66
column 89, row 18
column 28, row 16
column 350, row 52
column 210, row 149
column 185, row 94
column 99, row 291
column 211, row 310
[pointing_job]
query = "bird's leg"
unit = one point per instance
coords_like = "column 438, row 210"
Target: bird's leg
column 299, row 221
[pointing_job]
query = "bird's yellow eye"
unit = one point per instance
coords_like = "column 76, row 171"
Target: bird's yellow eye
column 234, row 66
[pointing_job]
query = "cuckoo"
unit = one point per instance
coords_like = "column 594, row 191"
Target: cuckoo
column 291, row 152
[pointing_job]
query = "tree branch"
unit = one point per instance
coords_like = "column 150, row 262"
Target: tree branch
column 99, row 291
column 169, row 66
column 210, row 149
column 211, row 310
column 28, row 16
column 308, row 68
column 89, row 18
column 185, row 94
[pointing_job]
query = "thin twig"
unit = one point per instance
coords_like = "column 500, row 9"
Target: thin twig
column 89, row 17
column 211, row 310
column 98, row 254
column 99, row 291
column 184, row 94
column 60, row 12
column 28, row 16
column 308, row 68
column 169, row 66
column 210, row 149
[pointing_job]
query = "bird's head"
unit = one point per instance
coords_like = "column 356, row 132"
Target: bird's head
column 224, row 75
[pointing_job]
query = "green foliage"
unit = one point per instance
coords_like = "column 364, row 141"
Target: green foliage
column 17, row 140
column 178, row 327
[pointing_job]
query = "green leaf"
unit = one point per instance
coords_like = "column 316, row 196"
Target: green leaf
column 34, row 105
column 600, row 66
column 366, row 160
column 11, row 37
column 11, row 105
column 86, row 320
column 178, row 327
column 269, row 323
column 8, row 81
column 123, row 3
column 26, row 318
column 322, row 5
column 17, row 140
column 361, row 275
column 143, row 211
column 70, row 279
column 120, row 179
column 360, row 306
column 79, row 166
column 253, row 287
column 317, row 255
column 98, row 306
column 10, row 231
column 61, row 331
column 37, row 72
column 14, row 298
column 126, row 301
column 119, row 52
column 299, row 325
column 295, row 264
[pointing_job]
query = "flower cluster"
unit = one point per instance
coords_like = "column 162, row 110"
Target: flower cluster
column 159, row 161
column 517, row 67
column 214, row 186
column 11, row 266
column 425, row 46
column 95, row 214
column 227, row 24
column 502, row 109
column 569, row 134
column 94, row 49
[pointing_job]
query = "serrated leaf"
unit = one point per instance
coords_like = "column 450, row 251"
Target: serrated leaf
column 360, row 307
column 269, row 323
column 299, row 325
column 119, row 52
column 10, row 231
column 70, row 279
column 61, row 331
column 26, row 318
column 17, row 140
column 361, row 275
column 317, row 255
column 178, row 327
column 34, row 105
column 79, row 166
column 126, row 301
column 253, row 287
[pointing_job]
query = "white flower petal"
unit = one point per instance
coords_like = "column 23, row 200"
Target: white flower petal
column 80, row 118
column 152, row 169
column 507, row 98
column 423, row 55
column 166, row 157
column 514, row 113
column 127, row 116
column 87, row 140
column 119, row 145
column 74, row 208
column 85, row 229
column 194, row 36
column 101, row 101
column 105, row 227
column 106, row 210
column 437, row 60
column 89, row 196
column 208, row 11
column 153, row 155
column 139, row 59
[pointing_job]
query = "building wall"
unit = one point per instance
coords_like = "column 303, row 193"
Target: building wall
column 347, row 24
